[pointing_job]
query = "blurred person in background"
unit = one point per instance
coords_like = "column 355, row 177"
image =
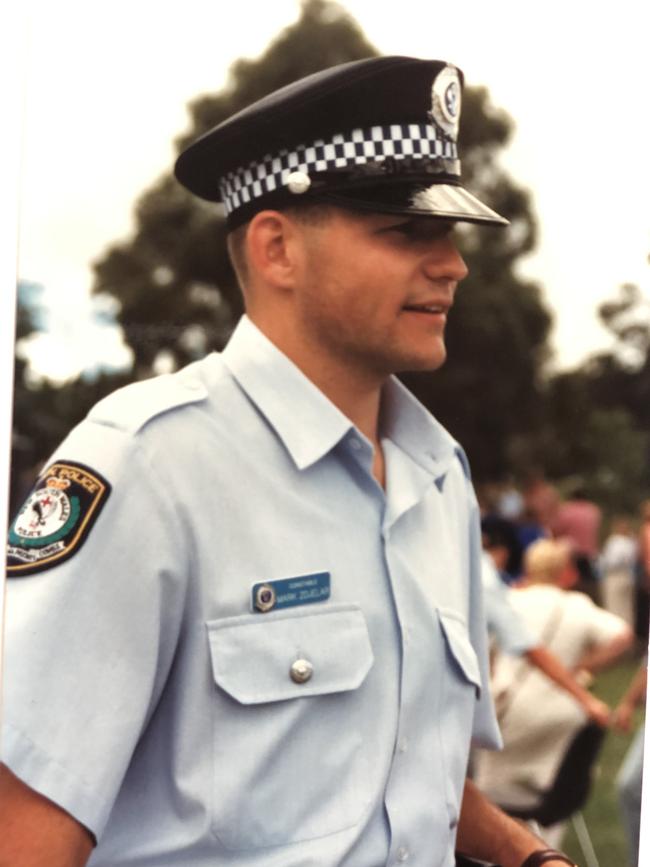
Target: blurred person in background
column 642, row 612
column 500, row 538
column 616, row 566
column 630, row 776
column 538, row 719
column 509, row 633
column 529, row 529
column 541, row 499
column 511, row 502
column 578, row 519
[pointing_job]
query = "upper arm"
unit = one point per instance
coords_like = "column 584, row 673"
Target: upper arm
column 90, row 638
column 35, row 832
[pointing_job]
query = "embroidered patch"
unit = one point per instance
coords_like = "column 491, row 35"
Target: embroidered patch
column 56, row 518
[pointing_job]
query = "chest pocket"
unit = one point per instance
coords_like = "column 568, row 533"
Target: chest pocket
column 288, row 724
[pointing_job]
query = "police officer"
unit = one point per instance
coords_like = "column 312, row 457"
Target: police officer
column 245, row 620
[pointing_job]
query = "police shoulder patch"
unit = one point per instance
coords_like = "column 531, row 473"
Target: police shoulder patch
column 56, row 517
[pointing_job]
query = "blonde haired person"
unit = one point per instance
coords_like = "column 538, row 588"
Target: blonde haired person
column 538, row 720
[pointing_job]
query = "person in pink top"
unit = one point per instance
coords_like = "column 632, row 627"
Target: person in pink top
column 578, row 521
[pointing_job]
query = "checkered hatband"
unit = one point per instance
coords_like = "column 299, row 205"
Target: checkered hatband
column 343, row 151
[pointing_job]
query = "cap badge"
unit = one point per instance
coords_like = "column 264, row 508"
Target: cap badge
column 446, row 100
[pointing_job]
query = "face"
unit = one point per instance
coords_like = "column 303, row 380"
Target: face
column 375, row 291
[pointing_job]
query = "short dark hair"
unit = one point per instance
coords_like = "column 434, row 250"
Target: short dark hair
column 310, row 213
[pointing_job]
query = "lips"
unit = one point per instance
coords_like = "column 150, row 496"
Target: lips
column 427, row 308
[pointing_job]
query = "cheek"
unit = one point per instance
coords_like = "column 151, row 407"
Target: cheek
column 362, row 286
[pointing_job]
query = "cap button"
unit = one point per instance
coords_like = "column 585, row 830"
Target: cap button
column 298, row 182
column 301, row 671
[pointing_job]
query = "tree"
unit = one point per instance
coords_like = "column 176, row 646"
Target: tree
column 621, row 378
column 44, row 411
column 599, row 415
column 602, row 446
column 177, row 292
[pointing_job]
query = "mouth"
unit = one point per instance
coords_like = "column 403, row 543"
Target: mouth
column 427, row 309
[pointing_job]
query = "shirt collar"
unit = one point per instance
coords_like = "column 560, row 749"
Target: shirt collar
column 310, row 425
column 306, row 421
column 411, row 426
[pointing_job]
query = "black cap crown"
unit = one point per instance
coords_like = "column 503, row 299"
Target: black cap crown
column 377, row 134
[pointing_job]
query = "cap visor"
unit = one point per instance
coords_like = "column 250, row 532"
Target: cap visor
column 455, row 203
column 447, row 201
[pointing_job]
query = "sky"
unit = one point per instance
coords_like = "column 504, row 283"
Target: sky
column 106, row 87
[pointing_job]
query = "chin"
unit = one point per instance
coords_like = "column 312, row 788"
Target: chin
column 429, row 361
column 421, row 364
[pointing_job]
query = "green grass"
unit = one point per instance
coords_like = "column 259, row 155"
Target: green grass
column 601, row 813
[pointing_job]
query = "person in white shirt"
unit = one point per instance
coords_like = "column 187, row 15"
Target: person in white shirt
column 538, row 719
column 616, row 567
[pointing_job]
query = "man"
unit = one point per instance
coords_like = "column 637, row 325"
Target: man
column 247, row 625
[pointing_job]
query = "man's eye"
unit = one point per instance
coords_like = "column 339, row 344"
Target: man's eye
column 425, row 231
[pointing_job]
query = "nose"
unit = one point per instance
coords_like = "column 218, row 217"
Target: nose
column 444, row 262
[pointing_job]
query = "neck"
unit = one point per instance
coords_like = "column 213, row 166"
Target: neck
column 354, row 391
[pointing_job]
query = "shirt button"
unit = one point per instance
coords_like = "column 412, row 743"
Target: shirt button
column 402, row 854
column 403, row 745
column 301, row 671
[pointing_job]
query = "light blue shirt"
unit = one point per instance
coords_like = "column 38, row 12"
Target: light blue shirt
column 505, row 625
column 147, row 697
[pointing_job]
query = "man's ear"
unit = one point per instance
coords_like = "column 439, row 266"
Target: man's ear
column 274, row 248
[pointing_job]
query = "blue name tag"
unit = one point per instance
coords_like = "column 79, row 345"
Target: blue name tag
column 289, row 592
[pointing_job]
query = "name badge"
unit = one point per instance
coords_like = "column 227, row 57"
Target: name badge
column 289, row 592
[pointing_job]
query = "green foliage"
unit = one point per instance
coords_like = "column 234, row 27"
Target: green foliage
column 602, row 444
column 598, row 417
column 177, row 292
column 621, row 378
column 43, row 415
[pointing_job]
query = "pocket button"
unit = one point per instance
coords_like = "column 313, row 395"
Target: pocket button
column 301, row 671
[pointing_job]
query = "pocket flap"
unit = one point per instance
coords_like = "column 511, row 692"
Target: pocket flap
column 460, row 647
column 252, row 655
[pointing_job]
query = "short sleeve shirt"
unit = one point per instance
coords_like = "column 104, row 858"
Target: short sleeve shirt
column 148, row 694
column 505, row 625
